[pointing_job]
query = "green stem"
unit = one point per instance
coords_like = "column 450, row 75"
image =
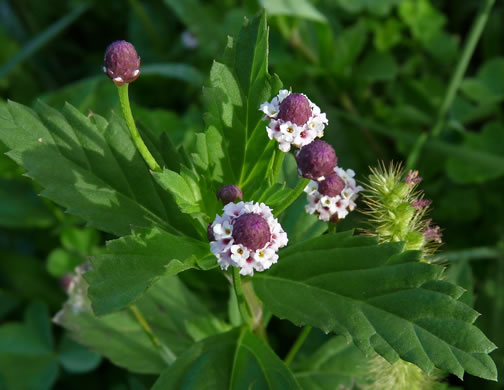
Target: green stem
column 242, row 302
column 135, row 135
column 470, row 45
column 296, row 192
column 297, row 345
column 332, row 228
column 277, row 165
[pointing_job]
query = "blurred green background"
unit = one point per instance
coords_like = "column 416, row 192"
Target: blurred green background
column 380, row 69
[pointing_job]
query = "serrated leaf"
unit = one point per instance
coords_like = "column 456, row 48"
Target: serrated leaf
column 131, row 264
column 90, row 166
column 383, row 300
column 237, row 88
column 167, row 307
column 235, row 360
column 336, row 364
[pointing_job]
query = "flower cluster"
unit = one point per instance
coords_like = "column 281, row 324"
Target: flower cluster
column 247, row 236
column 332, row 198
column 293, row 120
column 398, row 210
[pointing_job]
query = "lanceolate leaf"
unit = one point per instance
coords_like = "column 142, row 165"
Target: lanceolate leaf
column 235, row 360
column 169, row 309
column 131, row 264
column 237, row 88
column 382, row 298
column 90, row 166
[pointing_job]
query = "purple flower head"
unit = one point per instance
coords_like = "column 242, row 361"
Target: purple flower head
column 331, row 186
column 295, row 108
column 252, row 231
column 421, row 203
column 122, row 63
column 316, row 159
column 228, row 194
column 412, row 178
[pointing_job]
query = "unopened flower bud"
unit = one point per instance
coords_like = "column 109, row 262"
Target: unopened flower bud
column 296, row 109
column 331, row 186
column 316, row 159
column 122, row 63
column 252, row 231
column 228, row 194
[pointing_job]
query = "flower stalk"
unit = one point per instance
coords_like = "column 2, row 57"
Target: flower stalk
column 135, row 135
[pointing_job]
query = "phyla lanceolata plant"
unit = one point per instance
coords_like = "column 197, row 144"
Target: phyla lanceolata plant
column 217, row 213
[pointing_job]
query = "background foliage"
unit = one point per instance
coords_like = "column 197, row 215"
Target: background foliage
column 380, row 69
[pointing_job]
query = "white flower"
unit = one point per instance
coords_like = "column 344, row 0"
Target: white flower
column 288, row 134
column 231, row 253
column 239, row 253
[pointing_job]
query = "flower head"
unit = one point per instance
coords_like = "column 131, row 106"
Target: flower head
column 230, row 193
column 247, row 236
column 333, row 198
column 122, row 63
column 397, row 209
column 293, row 120
column 316, row 160
column 331, row 186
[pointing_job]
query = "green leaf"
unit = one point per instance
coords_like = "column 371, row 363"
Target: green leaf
column 169, row 308
column 235, row 360
column 336, row 364
column 61, row 262
column 488, row 85
column 489, row 142
column 131, row 264
column 381, row 298
column 27, row 359
column 237, row 88
column 299, row 8
column 90, row 166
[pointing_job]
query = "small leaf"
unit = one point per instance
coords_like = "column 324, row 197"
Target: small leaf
column 381, row 298
column 235, row 360
column 131, row 264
